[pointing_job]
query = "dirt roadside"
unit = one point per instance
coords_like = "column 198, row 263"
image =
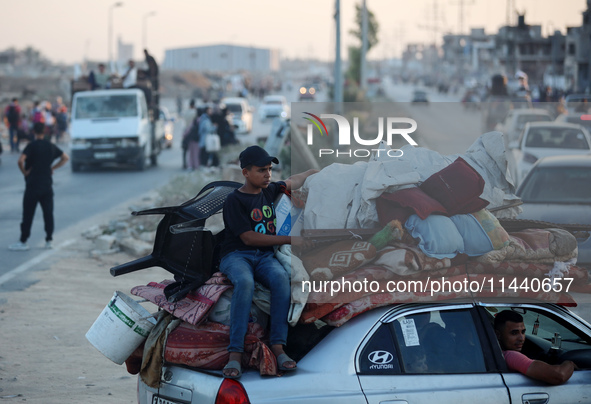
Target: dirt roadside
column 44, row 354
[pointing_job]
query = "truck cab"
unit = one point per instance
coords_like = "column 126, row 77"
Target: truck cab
column 114, row 126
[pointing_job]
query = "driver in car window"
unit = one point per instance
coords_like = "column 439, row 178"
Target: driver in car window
column 510, row 331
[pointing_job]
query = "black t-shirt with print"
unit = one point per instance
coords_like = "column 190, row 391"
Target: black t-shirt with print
column 40, row 156
column 244, row 212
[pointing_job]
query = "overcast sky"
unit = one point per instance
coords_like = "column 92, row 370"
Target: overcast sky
column 70, row 30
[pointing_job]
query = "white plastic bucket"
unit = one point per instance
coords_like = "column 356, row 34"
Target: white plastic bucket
column 120, row 328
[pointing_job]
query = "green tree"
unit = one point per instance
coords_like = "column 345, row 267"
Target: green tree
column 354, row 71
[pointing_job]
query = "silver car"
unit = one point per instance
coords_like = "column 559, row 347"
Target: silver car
column 557, row 190
column 543, row 139
column 407, row 353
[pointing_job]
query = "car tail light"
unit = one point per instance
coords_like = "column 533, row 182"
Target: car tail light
column 231, row 392
column 585, row 117
column 529, row 158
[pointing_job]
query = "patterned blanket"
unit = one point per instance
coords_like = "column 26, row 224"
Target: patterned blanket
column 195, row 306
column 205, row 346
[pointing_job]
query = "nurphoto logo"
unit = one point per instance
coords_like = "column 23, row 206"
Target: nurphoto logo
column 392, row 128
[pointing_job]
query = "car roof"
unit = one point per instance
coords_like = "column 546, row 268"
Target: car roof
column 553, row 124
column 530, row 111
column 566, row 161
column 389, row 312
column 274, row 97
column 233, row 100
column 114, row 91
column 575, row 97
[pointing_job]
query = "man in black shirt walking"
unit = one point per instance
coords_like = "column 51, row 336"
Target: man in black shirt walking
column 36, row 164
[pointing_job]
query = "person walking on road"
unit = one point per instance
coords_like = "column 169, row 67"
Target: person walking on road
column 36, row 164
column 12, row 117
column 206, row 126
column 189, row 116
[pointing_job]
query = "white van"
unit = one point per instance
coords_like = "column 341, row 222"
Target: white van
column 112, row 126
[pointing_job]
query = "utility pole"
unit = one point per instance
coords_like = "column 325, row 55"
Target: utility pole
column 363, row 65
column 110, row 39
column 461, row 4
column 144, row 29
column 509, row 11
column 432, row 61
column 338, row 76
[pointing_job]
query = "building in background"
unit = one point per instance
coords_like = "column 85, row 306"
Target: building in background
column 222, row 58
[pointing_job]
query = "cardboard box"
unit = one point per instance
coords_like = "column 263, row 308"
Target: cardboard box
column 290, row 220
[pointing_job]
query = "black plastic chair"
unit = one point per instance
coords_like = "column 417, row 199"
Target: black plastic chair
column 183, row 246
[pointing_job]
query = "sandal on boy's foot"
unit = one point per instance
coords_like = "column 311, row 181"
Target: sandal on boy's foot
column 232, row 365
column 283, row 358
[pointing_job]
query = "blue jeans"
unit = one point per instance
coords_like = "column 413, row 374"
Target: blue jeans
column 243, row 268
column 14, row 140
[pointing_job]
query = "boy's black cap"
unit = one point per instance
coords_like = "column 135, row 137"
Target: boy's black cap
column 256, row 156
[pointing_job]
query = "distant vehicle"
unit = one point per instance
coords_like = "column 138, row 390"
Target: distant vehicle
column 113, row 126
column 577, row 103
column 517, row 118
column 577, row 118
column 307, row 92
column 274, row 106
column 543, row 139
column 420, row 96
column 241, row 113
column 168, row 123
column 406, row 353
column 558, row 190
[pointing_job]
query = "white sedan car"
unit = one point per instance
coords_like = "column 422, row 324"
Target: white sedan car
column 408, row 353
column 517, row 118
column 543, row 139
column 274, row 106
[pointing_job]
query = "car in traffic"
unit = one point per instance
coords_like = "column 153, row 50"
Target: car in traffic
column 577, row 103
column 420, row 96
column 517, row 118
column 307, row 92
column 403, row 353
column 543, row 139
column 168, row 124
column 576, row 118
column 274, row 106
column 113, row 127
column 558, row 190
column 241, row 113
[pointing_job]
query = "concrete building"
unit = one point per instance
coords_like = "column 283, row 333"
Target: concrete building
column 522, row 47
column 513, row 48
column 222, row 58
column 577, row 66
column 473, row 53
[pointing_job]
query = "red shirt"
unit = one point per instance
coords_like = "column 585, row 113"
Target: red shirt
column 517, row 361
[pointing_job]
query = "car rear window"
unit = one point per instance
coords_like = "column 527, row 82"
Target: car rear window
column 577, row 119
column 556, row 138
column 557, row 185
column 523, row 119
column 234, row 107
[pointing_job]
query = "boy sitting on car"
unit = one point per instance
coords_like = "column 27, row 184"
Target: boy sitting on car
column 248, row 255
